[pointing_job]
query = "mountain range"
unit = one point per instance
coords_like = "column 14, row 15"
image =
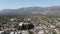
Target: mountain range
column 54, row 10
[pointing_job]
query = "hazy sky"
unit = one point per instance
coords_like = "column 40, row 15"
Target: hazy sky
column 11, row 4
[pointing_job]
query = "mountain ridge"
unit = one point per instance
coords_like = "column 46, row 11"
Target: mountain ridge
column 54, row 10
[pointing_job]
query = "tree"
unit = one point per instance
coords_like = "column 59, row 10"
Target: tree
column 17, row 26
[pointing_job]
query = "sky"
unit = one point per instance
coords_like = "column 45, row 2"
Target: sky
column 14, row 4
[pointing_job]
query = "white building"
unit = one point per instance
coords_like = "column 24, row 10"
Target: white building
column 1, row 32
column 11, row 32
column 52, row 26
column 25, row 32
column 41, row 32
column 20, row 24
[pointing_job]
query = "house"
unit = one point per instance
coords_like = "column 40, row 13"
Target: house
column 1, row 32
column 25, row 32
column 52, row 26
column 41, row 32
column 11, row 32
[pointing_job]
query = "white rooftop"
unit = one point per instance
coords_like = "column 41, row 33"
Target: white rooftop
column 41, row 32
column 1, row 32
column 20, row 24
